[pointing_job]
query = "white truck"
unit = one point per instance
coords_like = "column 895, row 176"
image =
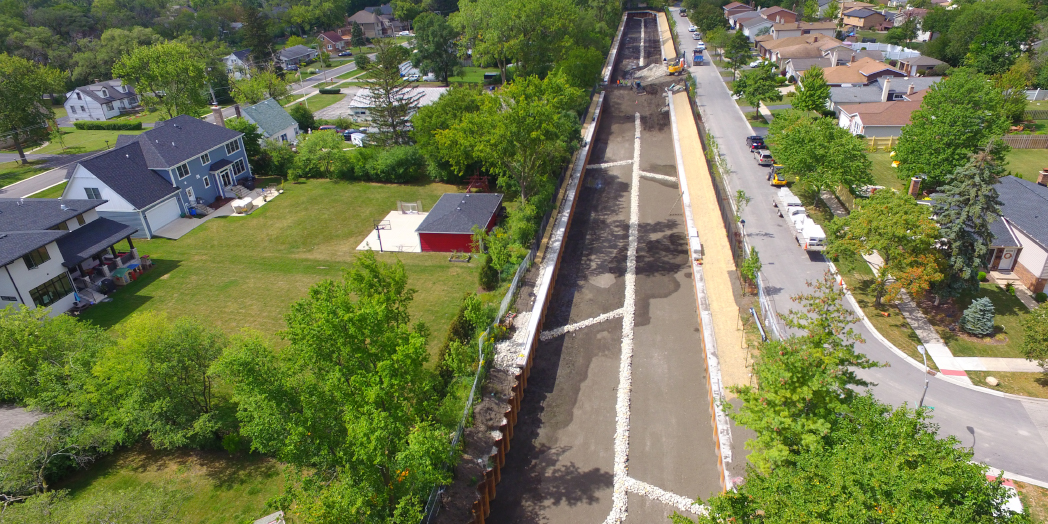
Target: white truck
column 806, row 232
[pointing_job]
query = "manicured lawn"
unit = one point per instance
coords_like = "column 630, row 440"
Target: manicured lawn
column 322, row 85
column 318, row 102
column 350, row 74
column 289, row 99
column 245, row 271
column 60, row 111
column 11, row 172
column 880, row 37
column 51, row 192
column 1035, row 500
column 1027, row 162
column 1016, row 383
column 215, row 488
column 1009, row 335
column 472, row 75
column 146, row 117
column 883, row 172
column 77, row 141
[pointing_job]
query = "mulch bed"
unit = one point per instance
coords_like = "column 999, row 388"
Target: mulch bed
column 946, row 315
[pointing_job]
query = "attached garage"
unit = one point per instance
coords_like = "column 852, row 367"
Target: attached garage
column 449, row 225
column 163, row 214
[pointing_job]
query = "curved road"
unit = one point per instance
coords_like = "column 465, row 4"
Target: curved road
column 1006, row 433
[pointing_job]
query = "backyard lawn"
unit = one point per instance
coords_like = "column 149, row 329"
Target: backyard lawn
column 78, row 141
column 472, row 75
column 11, row 172
column 883, row 172
column 146, row 117
column 318, row 102
column 1027, row 162
column 213, row 487
column 51, row 192
column 244, row 272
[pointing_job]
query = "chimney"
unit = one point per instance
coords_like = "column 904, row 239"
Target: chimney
column 910, row 90
column 887, row 88
column 236, row 109
column 219, row 119
column 1042, row 179
column 816, row 39
column 915, row 187
column 852, row 59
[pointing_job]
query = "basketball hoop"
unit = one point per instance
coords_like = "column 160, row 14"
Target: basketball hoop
column 379, row 226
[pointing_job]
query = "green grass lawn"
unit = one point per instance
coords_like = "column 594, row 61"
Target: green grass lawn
column 883, row 172
column 350, row 74
column 1027, row 162
column 11, row 172
column 472, row 75
column 318, row 102
column 51, row 192
column 322, row 85
column 288, row 100
column 1014, row 382
column 245, row 271
column 146, row 117
column 78, row 141
column 215, row 488
column 880, row 37
column 1009, row 334
column 60, row 111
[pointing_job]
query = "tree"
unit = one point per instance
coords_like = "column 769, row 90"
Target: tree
column 164, row 77
column 705, row 15
column 581, row 67
column 411, row 10
column 738, row 52
column 391, row 98
column 893, row 225
column 258, row 86
column 435, row 47
column 803, row 381
column 879, row 464
column 810, row 12
column 1013, row 84
column 256, row 34
column 717, row 38
column 968, row 206
column 1035, row 335
column 977, row 319
column 833, row 12
column 22, row 89
column 757, row 85
column 350, row 399
column 303, row 116
column 33, row 454
column 320, row 155
column 95, row 59
column 357, row 36
column 901, row 34
column 486, row 28
column 959, row 116
column 156, row 381
column 139, row 505
column 256, row 156
column 818, row 152
column 814, row 92
column 751, row 266
column 445, row 113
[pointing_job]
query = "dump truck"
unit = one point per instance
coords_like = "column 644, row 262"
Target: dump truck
column 677, row 65
column 805, row 231
column 776, row 177
column 696, row 57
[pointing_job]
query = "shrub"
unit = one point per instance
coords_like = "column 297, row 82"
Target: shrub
column 90, row 125
column 978, row 318
column 982, row 276
column 303, row 116
column 1010, row 288
column 1041, row 297
column 750, row 266
column 396, row 164
column 330, row 90
column 489, row 275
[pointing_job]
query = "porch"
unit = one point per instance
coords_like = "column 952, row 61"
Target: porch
column 94, row 265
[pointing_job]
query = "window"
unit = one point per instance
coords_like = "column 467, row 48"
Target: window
column 92, row 193
column 38, row 256
column 51, row 291
column 82, row 110
column 73, row 108
column 80, row 219
column 182, row 170
column 207, row 181
column 283, row 137
column 78, row 97
column 105, row 93
column 233, row 147
column 239, row 167
column 205, row 159
column 109, row 106
column 61, row 226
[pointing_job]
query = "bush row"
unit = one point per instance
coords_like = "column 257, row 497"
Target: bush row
column 373, row 164
column 330, row 90
column 91, row 125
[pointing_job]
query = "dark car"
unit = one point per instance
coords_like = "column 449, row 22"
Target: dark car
column 348, row 134
column 292, row 67
column 346, row 53
column 750, row 140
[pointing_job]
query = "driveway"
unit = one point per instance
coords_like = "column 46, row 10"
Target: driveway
column 340, row 108
column 1005, row 433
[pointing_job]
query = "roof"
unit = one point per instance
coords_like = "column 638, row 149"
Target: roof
column 793, row 26
column 124, row 170
column 363, row 17
column 733, row 5
column 857, row 72
column 1025, row 205
column 384, row 9
column 15, row 245
column 776, row 9
column 270, row 117
column 293, row 52
column 332, row 36
column 174, row 141
column 84, row 242
column 755, row 22
column 861, row 12
column 94, row 91
column 804, row 64
column 873, row 92
column 745, row 15
column 790, row 41
column 895, row 113
column 242, row 54
column 799, row 51
column 35, row 214
column 1002, row 234
column 429, row 95
column 921, row 61
column 460, row 213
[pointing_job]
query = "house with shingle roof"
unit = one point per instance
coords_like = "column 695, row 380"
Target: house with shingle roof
column 827, row 29
column 779, row 15
column 174, row 169
column 863, row 18
column 331, row 42
column 735, row 8
column 273, row 122
column 238, row 64
column 294, row 55
column 1021, row 233
column 738, row 18
column 751, row 26
column 879, row 119
column 861, row 72
column 918, row 64
column 883, row 90
column 101, row 101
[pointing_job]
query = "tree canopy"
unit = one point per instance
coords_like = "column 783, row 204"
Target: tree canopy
column 813, row 93
column 22, row 109
column 164, row 77
column 818, row 151
column 391, row 97
column 757, row 85
column 435, row 47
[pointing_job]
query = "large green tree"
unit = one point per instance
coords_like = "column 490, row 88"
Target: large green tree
column 442, row 115
column 95, row 59
column 757, row 85
column 705, row 15
column 392, row 99
column 23, row 85
column 818, row 152
column 350, row 399
column 258, row 86
column 814, row 92
column 164, row 77
column 34, row 455
column 893, row 225
column 988, row 36
column 959, row 116
column 320, row 155
column 1035, row 335
column 257, row 36
column 738, row 51
column 435, row 47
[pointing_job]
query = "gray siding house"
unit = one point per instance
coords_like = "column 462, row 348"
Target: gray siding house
column 100, row 101
column 151, row 179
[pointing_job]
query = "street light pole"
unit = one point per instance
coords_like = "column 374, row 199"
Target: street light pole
column 924, row 354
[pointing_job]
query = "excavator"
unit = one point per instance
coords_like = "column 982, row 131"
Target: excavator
column 776, row 177
column 677, row 65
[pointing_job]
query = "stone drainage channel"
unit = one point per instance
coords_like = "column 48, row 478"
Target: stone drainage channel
column 616, row 424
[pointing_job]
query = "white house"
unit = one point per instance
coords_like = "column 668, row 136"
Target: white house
column 100, row 101
column 361, row 103
column 238, row 64
column 55, row 252
column 272, row 120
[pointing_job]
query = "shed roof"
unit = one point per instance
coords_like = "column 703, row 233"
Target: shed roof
column 460, row 213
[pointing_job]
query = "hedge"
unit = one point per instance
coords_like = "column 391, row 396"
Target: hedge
column 91, row 125
column 330, row 90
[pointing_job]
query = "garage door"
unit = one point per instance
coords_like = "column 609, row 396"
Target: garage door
column 162, row 215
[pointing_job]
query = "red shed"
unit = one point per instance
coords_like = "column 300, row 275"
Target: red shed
column 449, row 225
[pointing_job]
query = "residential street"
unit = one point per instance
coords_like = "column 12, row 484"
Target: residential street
column 35, row 184
column 1006, row 433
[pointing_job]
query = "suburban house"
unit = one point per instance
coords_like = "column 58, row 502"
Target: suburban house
column 174, row 169
column 863, row 18
column 879, row 119
column 101, row 101
column 737, row 19
column 861, row 72
column 448, row 227
column 361, row 104
column 1020, row 242
column 735, row 8
column 779, row 15
column 377, row 21
column 331, row 42
column 808, row 46
column 795, row 67
column 238, row 64
column 883, row 90
column 918, row 64
column 751, row 26
column 294, row 55
column 272, row 120
column 914, row 13
column 56, row 252
column 780, row 31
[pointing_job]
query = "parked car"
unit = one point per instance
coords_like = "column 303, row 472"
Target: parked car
column 328, row 128
column 696, row 36
column 755, row 140
column 413, row 77
column 756, row 63
column 700, row 45
column 764, row 158
column 692, row 29
column 684, row 12
column 404, row 33
column 346, row 53
column 347, row 134
column 292, row 67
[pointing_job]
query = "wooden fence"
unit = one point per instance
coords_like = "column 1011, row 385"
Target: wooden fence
column 1027, row 141
column 885, row 143
column 1036, row 114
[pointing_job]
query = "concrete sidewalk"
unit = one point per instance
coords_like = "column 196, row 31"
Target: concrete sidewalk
column 998, row 364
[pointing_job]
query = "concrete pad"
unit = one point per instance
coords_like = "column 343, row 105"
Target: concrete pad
column 178, row 228
column 340, row 108
column 13, row 417
column 401, row 236
column 997, row 364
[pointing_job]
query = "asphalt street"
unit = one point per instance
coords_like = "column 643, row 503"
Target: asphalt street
column 1003, row 431
column 35, row 184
